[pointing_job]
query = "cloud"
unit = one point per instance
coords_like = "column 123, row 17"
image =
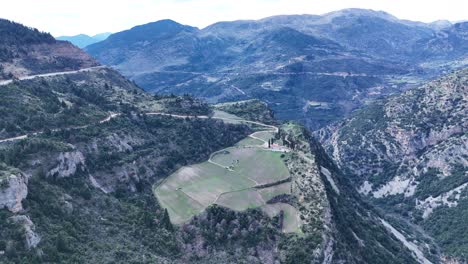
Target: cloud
column 92, row 16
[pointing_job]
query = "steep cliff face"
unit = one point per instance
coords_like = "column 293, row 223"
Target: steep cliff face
column 68, row 164
column 31, row 239
column 427, row 124
column 13, row 188
column 410, row 150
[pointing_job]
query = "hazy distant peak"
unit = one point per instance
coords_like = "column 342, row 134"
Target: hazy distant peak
column 83, row 40
column 154, row 30
column 288, row 18
column 102, row 36
column 164, row 24
column 440, row 24
column 233, row 25
column 361, row 12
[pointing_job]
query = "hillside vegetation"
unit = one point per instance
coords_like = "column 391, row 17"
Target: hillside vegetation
column 26, row 51
column 88, row 183
column 409, row 153
column 94, row 169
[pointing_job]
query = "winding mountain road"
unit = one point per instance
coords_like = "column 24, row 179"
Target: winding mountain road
column 270, row 128
column 107, row 119
column 5, row 82
column 112, row 115
column 274, row 128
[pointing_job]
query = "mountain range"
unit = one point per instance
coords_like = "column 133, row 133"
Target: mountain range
column 83, row 153
column 83, row 40
column 313, row 69
column 338, row 138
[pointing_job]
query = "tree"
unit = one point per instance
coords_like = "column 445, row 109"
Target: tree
column 166, row 221
column 62, row 243
column 147, row 219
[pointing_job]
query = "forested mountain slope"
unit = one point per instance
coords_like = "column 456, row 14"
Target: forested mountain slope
column 409, row 153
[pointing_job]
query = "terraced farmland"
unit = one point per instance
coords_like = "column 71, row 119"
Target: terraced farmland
column 191, row 189
column 244, row 176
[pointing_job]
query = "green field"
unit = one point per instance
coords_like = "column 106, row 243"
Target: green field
column 241, row 200
column 191, row 189
column 180, row 207
column 232, row 177
column 228, row 118
column 202, row 183
column 260, row 165
column 248, row 141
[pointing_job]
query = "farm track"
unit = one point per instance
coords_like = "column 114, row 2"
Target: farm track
column 268, row 128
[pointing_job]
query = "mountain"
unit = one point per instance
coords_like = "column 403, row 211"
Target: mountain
column 450, row 41
column 102, row 36
column 308, row 68
column 94, row 169
column 83, row 40
column 408, row 154
column 25, row 51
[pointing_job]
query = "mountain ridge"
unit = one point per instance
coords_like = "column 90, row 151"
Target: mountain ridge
column 363, row 55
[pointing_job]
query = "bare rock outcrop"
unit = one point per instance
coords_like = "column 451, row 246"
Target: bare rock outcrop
column 32, row 239
column 13, row 189
column 67, row 164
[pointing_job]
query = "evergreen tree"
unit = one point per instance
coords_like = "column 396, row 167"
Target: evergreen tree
column 166, row 221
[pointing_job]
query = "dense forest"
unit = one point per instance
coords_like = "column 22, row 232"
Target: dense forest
column 12, row 33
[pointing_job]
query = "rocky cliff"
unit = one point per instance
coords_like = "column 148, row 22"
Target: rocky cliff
column 13, row 188
column 409, row 152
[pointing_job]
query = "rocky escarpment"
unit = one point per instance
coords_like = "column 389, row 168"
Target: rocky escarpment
column 14, row 182
column 13, row 188
column 411, row 150
column 404, row 136
column 67, row 164
column 31, row 238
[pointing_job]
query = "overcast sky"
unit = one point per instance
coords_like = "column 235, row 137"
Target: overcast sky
column 67, row 17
